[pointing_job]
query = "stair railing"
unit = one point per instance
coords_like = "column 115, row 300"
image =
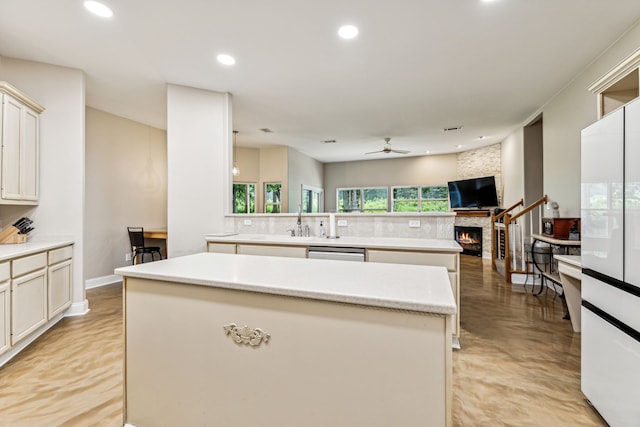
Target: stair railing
column 510, row 269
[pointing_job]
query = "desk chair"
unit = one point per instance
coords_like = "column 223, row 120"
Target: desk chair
column 136, row 237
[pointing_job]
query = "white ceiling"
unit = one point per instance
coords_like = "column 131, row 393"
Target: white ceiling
column 416, row 67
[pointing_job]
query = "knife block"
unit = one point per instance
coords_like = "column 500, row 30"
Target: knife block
column 10, row 235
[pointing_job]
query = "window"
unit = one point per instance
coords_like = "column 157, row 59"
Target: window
column 244, row 198
column 420, row 199
column 312, row 199
column 405, row 199
column 434, row 199
column 272, row 191
column 363, row 199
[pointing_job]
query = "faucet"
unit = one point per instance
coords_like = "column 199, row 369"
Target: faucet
column 299, row 223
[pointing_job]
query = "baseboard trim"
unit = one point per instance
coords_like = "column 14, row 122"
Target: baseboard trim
column 78, row 309
column 97, row 282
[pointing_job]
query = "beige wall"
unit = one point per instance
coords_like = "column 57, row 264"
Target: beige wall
column 303, row 170
column 424, row 170
column 126, row 185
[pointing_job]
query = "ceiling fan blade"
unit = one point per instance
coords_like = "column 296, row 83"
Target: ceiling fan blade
column 400, row 151
column 374, row 152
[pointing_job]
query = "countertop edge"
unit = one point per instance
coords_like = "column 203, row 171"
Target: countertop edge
column 18, row 250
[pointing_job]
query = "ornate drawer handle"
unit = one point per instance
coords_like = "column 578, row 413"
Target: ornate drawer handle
column 246, row 335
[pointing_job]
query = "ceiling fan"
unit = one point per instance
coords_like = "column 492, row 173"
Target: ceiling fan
column 387, row 149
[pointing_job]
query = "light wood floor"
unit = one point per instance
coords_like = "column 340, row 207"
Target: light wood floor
column 519, row 364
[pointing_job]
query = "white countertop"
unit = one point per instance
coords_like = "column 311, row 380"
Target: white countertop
column 407, row 287
column 16, row 250
column 406, row 243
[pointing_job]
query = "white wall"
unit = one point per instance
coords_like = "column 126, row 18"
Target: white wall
column 199, row 166
column 60, row 212
column 126, row 185
column 565, row 116
column 512, row 168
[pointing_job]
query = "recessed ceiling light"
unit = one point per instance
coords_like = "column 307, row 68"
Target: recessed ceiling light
column 225, row 59
column 329, row 141
column 98, row 8
column 266, row 130
column 427, row 152
column 459, row 146
column 348, row 31
column 482, row 137
column 452, row 128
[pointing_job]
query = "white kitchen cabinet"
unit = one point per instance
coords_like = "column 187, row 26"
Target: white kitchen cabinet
column 28, row 303
column 59, row 280
column 20, row 124
column 5, row 308
column 221, row 248
column 273, row 250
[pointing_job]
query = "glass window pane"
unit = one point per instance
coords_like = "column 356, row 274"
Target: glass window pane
column 407, row 193
column 435, row 192
column 349, row 200
column 405, row 206
column 375, row 199
column 435, row 205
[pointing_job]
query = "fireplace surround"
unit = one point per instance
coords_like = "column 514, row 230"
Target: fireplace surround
column 470, row 238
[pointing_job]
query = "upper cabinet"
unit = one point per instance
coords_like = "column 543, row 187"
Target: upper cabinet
column 20, row 135
column 619, row 86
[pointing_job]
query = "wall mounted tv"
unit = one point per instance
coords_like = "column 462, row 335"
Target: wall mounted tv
column 473, row 193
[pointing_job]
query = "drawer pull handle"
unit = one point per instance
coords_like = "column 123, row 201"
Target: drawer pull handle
column 246, row 335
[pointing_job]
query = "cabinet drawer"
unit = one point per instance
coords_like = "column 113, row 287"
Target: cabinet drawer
column 60, row 254
column 28, row 264
column 419, row 258
column 268, row 250
column 222, row 248
column 5, row 271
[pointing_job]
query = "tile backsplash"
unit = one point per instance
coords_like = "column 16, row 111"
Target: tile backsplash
column 425, row 225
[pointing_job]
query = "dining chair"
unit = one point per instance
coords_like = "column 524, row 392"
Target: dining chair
column 136, row 238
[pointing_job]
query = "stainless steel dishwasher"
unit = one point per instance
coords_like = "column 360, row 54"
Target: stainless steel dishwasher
column 336, row 253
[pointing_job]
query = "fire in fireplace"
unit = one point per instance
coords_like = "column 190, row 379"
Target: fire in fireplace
column 470, row 238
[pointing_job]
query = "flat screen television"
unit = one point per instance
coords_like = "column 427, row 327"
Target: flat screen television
column 473, row 193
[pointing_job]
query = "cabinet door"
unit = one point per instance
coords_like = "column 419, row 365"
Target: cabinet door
column 20, row 135
column 602, row 191
column 59, row 287
column 29, row 304
column 11, row 155
column 29, row 187
column 5, row 310
column 632, row 194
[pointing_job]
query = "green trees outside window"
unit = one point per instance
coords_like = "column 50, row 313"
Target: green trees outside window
column 244, row 198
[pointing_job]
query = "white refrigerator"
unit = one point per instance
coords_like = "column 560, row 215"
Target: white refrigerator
column 610, row 234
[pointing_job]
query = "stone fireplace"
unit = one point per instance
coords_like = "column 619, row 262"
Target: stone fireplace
column 470, row 238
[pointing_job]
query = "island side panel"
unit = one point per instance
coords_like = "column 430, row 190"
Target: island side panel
column 324, row 364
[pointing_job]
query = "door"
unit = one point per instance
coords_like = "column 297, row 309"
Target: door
column 602, row 195
column 632, row 195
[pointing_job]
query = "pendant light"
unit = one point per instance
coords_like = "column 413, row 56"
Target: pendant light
column 236, row 169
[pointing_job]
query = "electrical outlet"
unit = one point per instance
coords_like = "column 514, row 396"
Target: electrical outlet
column 247, row 222
column 414, row 223
column 127, row 257
column 342, row 223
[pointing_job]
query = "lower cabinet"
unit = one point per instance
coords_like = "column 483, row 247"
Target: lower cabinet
column 28, row 304
column 60, row 275
column 34, row 289
column 221, row 248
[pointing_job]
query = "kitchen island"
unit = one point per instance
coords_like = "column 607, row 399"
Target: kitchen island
column 222, row 340
column 394, row 250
